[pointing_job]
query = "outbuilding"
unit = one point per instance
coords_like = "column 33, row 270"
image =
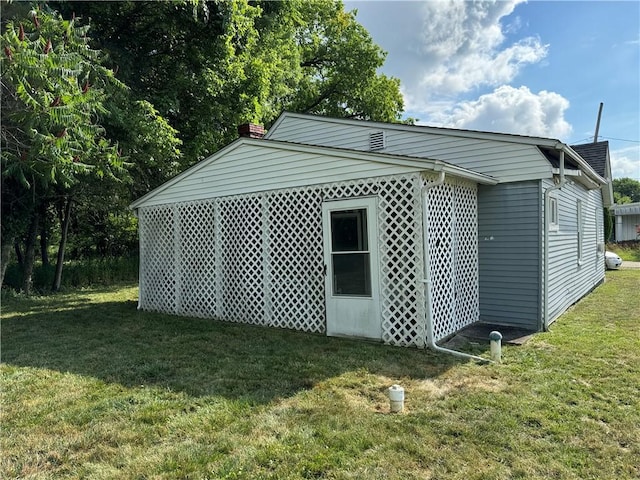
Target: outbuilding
column 398, row 233
column 627, row 221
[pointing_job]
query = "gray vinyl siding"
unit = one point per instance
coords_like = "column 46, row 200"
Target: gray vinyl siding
column 570, row 279
column 503, row 160
column 509, row 254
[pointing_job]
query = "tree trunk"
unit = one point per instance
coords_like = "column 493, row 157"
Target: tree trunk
column 5, row 256
column 44, row 237
column 65, row 219
column 19, row 257
column 30, row 252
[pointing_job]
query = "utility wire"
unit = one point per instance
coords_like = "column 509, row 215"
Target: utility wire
column 590, row 139
column 620, row 139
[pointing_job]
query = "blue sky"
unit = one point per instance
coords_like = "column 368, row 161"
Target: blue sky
column 533, row 68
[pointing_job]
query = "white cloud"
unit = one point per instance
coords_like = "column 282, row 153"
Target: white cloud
column 633, row 42
column 447, row 51
column 461, row 47
column 477, row 68
column 509, row 110
column 625, row 162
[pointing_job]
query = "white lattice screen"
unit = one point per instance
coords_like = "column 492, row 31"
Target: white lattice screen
column 240, row 260
column 157, row 259
column 258, row 258
column 453, row 245
column 196, row 265
column 294, row 260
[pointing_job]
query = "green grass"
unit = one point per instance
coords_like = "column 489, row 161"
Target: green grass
column 92, row 388
column 627, row 251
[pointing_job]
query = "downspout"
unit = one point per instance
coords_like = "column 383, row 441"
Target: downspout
column 141, row 285
column 428, row 295
column 547, row 195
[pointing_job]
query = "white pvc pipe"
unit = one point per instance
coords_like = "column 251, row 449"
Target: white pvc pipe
column 427, row 278
column 496, row 346
column 396, row 398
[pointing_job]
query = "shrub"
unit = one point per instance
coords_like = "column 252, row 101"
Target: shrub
column 78, row 273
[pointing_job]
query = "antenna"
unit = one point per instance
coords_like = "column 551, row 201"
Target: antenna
column 595, row 137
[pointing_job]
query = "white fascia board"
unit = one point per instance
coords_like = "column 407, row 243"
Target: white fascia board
column 274, row 126
column 580, row 177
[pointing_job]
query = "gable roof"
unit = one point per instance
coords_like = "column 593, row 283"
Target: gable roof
column 456, row 132
column 519, row 141
column 595, row 154
column 250, row 165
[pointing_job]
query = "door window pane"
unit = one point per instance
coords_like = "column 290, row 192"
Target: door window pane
column 349, row 231
column 350, row 255
column 351, row 274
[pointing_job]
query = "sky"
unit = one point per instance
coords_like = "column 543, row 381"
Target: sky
column 537, row 68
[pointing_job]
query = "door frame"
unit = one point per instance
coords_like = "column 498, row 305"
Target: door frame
column 362, row 311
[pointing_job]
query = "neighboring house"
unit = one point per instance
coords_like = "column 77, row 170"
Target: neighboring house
column 627, row 221
column 403, row 234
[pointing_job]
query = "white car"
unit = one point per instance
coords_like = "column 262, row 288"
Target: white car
column 611, row 260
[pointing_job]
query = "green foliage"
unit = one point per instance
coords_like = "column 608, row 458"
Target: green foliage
column 146, row 138
column 339, row 60
column 53, row 89
column 626, row 190
column 193, row 70
column 238, row 61
column 608, row 224
column 102, row 230
column 79, row 273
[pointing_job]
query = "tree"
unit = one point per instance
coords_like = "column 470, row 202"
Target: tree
column 239, row 61
column 626, row 190
column 196, row 69
column 53, row 91
column 339, row 62
column 102, row 224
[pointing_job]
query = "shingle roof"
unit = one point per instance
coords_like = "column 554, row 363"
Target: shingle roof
column 595, row 154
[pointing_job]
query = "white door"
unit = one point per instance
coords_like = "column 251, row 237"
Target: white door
column 351, row 263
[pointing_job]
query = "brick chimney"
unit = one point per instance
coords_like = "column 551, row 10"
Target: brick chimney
column 251, row 130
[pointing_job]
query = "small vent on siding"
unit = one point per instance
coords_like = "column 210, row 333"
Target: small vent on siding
column 376, row 141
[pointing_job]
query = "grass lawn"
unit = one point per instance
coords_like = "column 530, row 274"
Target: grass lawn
column 92, row 388
column 627, row 251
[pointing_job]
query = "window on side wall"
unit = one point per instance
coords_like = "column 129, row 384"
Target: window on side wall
column 554, row 220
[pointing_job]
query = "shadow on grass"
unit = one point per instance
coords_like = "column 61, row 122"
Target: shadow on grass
column 114, row 342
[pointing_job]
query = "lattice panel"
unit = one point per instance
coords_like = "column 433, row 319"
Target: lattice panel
column 452, row 227
column 258, row 258
column 295, row 277
column 401, row 263
column 440, row 230
column 157, row 259
column 467, row 308
column 241, row 295
column 196, row 287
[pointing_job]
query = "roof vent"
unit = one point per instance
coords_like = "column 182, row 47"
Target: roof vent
column 376, row 141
